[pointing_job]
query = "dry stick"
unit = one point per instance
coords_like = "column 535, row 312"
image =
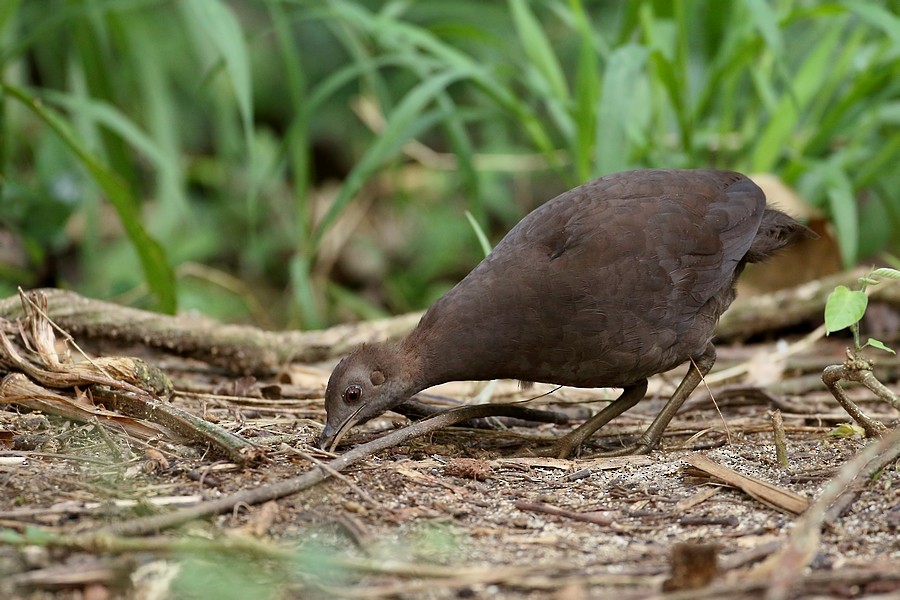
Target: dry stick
column 780, row 441
column 549, row 509
column 832, row 377
column 767, row 493
column 308, row 479
column 868, row 379
column 315, row 461
column 197, row 430
column 804, row 540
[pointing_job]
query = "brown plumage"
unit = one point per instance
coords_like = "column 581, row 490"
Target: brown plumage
column 603, row 286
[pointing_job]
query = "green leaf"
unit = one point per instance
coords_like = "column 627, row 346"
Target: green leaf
column 38, row 536
column 880, row 345
column 10, row 536
column 844, row 308
column 848, row 430
column 886, row 273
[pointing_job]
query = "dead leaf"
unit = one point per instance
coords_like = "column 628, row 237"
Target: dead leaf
column 765, row 492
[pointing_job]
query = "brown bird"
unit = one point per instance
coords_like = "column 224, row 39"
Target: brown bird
column 603, row 286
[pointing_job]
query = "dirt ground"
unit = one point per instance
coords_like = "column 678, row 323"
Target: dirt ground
column 462, row 513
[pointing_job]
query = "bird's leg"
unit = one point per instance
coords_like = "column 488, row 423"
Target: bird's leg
column 700, row 366
column 569, row 443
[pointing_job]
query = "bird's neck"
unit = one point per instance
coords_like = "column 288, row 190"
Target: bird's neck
column 442, row 351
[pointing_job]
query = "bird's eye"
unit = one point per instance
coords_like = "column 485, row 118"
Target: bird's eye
column 352, row 394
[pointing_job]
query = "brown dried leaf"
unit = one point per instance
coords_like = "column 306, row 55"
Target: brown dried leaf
column 469, row 468
column 763, row 491
column 17, row 388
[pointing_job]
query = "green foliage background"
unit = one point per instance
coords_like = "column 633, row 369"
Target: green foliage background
column 297, row 163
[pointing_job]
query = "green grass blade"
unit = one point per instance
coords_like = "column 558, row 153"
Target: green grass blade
column 159, row 275
column 396, row 132
column 161, row 116
column 844, row 214
column 538, row 49
column 113, row 119
column 763, row 15
column 668, row 58
column 543, row 71
column 877, row 16
column 619, row 111
column 302, row 291
column 7, row 11
column 216, row 20
column 479, row 234
column 359, row 305
column 885, row 157
column 775, row 138
column 297, row 140
column 409, row 39
column 218, row 23
column 587, row 94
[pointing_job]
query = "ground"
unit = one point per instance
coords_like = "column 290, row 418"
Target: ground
column 460, row 513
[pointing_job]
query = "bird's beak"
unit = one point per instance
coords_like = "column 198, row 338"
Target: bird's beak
column 331, row 436
column 327, row 437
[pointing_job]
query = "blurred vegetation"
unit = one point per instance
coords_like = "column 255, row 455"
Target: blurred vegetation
column 297, row 163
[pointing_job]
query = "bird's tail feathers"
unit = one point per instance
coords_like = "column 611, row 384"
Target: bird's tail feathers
column 776, row 231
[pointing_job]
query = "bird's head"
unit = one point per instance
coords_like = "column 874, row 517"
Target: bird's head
column 373, row 379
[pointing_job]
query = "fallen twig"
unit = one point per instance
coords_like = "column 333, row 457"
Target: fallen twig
column 185, row 424
column 549, row 509
column 858, row 369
